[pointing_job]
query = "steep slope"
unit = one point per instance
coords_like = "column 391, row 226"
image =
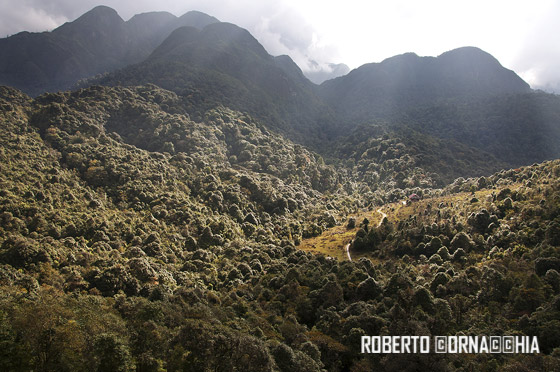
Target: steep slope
column 101, row 30
column 518, row 129
column 86, row 216
column 464, row 95
column 150, row 29
column 99, row 41
column 406, row 81
column 55, row 60
column 223, row 64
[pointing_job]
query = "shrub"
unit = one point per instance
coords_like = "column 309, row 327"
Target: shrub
column 461, row 240
column 543, row 264
column 368, row 289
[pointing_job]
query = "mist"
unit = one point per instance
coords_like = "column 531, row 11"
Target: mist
column 321, row 36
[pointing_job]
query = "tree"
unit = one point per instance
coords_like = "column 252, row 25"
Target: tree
column 112, row 354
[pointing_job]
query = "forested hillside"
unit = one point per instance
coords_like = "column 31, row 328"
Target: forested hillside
column 517, row 129
column 136, row 237
column 224, row 64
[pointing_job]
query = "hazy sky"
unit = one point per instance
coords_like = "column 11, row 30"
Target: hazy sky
column 523, row 35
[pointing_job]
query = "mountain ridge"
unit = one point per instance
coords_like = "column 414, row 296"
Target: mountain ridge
column 222, row 64
column 97, row 42
column 407, row 80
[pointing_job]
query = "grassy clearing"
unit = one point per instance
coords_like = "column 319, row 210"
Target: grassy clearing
column 332, row 242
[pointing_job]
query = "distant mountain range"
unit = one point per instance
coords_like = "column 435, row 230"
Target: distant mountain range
column 319, row 74
column 464, row 95
column 405, row 81
column 99, row 41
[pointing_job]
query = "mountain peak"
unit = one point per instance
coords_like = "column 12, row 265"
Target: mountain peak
column 473, row 67
column 469, row 55
column 191, row 43
column 409, row 56
column 100, row 10
column 197, row 19
column 230, row 34
column 101, row 17
column 404, row 81
column 467, row 51
column 403, row 64
column 151, row 18
column 99, row 13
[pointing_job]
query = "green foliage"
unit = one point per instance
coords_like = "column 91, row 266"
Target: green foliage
column 116, row 254
column 112, row 354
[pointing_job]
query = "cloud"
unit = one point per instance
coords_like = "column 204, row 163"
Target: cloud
column 278, row 25
column 292, row 28
column 538, row 57
column 287, row 32
column 25, row 17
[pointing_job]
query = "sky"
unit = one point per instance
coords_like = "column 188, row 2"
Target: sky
column 523, row 35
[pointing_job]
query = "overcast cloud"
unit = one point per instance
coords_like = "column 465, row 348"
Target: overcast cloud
column 522, row 35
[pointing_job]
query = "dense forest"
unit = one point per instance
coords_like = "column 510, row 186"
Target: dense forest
column 136, row 237
column 208, row 208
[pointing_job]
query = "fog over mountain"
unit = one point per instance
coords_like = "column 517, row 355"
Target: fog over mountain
column 520, row 35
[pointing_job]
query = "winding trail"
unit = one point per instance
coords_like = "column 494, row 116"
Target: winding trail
column 347, row 246
column 383, row 215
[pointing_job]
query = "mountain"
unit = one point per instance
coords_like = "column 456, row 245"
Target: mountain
column 463, row 95
column 381, row 90
column 97, row 42
column 223, row 64
column 150, row 29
